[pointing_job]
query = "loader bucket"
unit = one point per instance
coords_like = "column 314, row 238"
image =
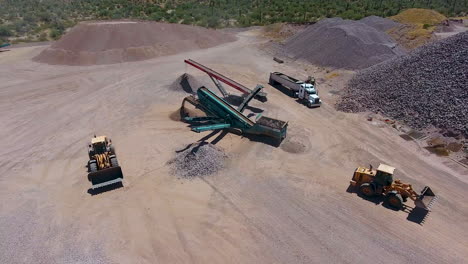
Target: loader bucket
column 426, row 199
column 105, row 177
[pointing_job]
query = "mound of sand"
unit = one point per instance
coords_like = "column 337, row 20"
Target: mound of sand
column 339, row 43
column 417, row 27
column 419, row 16
column 121, row 41
column 428, row 87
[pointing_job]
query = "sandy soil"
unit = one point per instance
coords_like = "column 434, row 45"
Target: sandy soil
column 270, row 205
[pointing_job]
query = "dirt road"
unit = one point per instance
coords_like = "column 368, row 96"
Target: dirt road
column 284, row 204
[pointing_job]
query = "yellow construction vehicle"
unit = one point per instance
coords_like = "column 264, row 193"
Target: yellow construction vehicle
column 103, row 167
column 373, row 182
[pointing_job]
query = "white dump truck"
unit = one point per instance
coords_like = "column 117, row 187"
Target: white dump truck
column 305, row 91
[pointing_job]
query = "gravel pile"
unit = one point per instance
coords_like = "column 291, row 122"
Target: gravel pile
column 198, row 160
column 380, row 23
column 339, row 43
column 428, row 87
column 107, row 42
column 186, row 83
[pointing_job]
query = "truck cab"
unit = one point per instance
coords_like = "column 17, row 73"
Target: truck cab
column 308, row 92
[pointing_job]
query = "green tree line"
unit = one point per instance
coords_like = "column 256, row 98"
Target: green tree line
column 47, row 19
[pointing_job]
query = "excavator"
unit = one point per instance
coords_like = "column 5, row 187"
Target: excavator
column 373, row 182
column 103, row 167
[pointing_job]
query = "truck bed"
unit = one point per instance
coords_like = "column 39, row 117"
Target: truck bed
column 284, row 76
column 271, row 122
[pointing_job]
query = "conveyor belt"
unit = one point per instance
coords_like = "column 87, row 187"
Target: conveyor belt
column 219, row 76
column 205, row 92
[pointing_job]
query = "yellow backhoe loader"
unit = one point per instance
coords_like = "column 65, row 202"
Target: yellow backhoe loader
column 103, row 167
column 373, row 182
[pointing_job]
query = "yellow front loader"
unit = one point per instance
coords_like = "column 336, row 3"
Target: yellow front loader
column 103, row 167
column 373, row 182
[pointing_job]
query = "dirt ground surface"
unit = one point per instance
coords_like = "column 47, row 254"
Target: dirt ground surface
column 286, row 204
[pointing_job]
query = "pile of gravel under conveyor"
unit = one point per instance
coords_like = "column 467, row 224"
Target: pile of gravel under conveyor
column 426, row 87
column 198, row 159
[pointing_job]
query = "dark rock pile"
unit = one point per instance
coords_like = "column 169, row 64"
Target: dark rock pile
column 428, row 87
column 199, row 159
column 338, row 43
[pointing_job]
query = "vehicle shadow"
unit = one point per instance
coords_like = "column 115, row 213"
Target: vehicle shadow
column 104, row 189
column 415, row 214
column 283, row 89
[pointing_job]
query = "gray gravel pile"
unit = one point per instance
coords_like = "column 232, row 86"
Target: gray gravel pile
column 380, row 23
column 339, row 43
column 186, row 83
column 198, row 160
column 427, row 87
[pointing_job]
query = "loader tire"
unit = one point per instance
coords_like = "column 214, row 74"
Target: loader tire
column 114, row 162
column 367, row 189
column 394, row 200
column 112, row 150
column 93, row 167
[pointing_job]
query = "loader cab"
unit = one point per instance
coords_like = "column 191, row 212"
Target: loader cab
column 384, row 175
column 99, row 145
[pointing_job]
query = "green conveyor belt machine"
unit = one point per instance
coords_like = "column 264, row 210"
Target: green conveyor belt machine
column 221, row 115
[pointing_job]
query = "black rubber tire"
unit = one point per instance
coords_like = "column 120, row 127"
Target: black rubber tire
column 93, row 167
column 112, row 150
column 367, row 189
column 394, row 200
column 114, row 162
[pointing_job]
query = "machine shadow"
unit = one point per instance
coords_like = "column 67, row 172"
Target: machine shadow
column 237, row 100
column 416, row 215
column 104, row 189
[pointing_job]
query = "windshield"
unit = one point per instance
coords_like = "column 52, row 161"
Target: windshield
column 310, row 90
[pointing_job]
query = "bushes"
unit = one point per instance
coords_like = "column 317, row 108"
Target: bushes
column 28, row 15
column 5, row 31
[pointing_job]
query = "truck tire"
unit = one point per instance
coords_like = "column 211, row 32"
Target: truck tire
column 367, row 189
column 92, row 167
column 394, row 200
column 114, row 162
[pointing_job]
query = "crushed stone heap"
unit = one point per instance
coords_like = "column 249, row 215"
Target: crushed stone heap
column 428, row 87
column 347, row 44
column 197, row 160
column 91, row 43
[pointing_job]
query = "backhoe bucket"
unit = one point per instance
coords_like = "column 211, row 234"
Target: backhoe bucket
column 426, row 199
column 105, row 177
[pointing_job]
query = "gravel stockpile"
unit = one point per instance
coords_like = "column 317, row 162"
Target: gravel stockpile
column 198, row 160
column 339, row 43
column 380, row 23
column 186, row 83
column 427, row 87
column 91, row 43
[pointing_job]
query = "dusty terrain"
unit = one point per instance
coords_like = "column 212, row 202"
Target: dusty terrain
column 269, row 205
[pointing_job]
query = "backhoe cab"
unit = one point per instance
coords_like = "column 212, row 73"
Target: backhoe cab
column 373, row 182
